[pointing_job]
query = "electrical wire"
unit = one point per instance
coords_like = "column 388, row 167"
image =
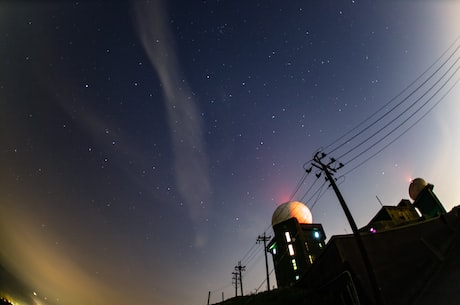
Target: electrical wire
column 299, row 185
column 309, row 189
column 401, row 102
column 401, row 114
column 394, row 98
column 405, row 131
column 248, row 252
column 320, row 192
column 252, row 253
column 404, row 122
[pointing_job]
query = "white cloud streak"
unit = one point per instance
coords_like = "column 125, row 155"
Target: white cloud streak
column 185, row 123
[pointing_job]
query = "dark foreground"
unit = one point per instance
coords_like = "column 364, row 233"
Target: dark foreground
column 297, row 296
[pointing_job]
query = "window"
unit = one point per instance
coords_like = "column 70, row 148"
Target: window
column 291, row 250
column 316, row 234
column 310, row 258
column 273, row 248
column 297, row 277
column 288, row 236
column 294, row 264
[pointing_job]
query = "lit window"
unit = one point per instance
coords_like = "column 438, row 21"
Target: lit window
column 288, row 236
column 316, row 234
column 273, row 248
column 291, row 250
column 297, row 277
column 306, row 246
column 311, row 259
column 294, row 264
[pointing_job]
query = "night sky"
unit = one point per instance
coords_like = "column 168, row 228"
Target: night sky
column 145, row 145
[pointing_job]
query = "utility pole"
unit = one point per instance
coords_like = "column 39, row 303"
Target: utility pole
column 327, row 169
column 265, row 239
column 240, row 268
column 235, row 281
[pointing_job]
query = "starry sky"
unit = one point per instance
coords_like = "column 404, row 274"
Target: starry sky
column 146, row 144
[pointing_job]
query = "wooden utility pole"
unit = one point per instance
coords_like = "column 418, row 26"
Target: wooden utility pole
column 240, row 268
column 327, row 169
column 235, row 281
column 265, row 239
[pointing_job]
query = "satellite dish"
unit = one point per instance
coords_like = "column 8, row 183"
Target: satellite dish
column 292, row 209
column 416, row 186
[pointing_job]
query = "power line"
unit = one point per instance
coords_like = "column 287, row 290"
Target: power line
column 405, row 131
column 299, row 184
column 271, row 271
column 417, row 106
column 249, row 252
column 419, row 101
column 400, row 115
column 329, row 170
column 398, row 104
column 404, row 122
column 254, row 257
column 394, row 98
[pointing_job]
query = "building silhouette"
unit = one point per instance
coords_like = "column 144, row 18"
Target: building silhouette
column 296, row 244
column 413, row 249
column 425, row 201
column 389, row 217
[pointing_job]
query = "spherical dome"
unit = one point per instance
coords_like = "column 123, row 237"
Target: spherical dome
column 291, row 209
column 416, row 186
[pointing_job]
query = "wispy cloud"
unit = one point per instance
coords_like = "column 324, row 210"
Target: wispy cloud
column 185, row 123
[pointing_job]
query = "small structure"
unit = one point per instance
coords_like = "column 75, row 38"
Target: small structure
column 392, row 216
column 425, row 201
column 425, row 206
column 296, row 244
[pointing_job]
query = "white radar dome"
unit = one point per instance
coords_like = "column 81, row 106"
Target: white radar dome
column 291, row 209
column 416, row 186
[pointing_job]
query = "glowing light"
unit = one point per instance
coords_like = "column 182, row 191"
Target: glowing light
column 294, row 264
column 273, row 249
column 291, row 209
column 291, row 250
column 418, row 212
column 288, row 236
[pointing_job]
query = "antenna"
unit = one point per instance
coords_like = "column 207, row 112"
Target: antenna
column 378, row 199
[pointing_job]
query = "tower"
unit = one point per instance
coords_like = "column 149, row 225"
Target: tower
column 296, row 244
column 424, row 199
